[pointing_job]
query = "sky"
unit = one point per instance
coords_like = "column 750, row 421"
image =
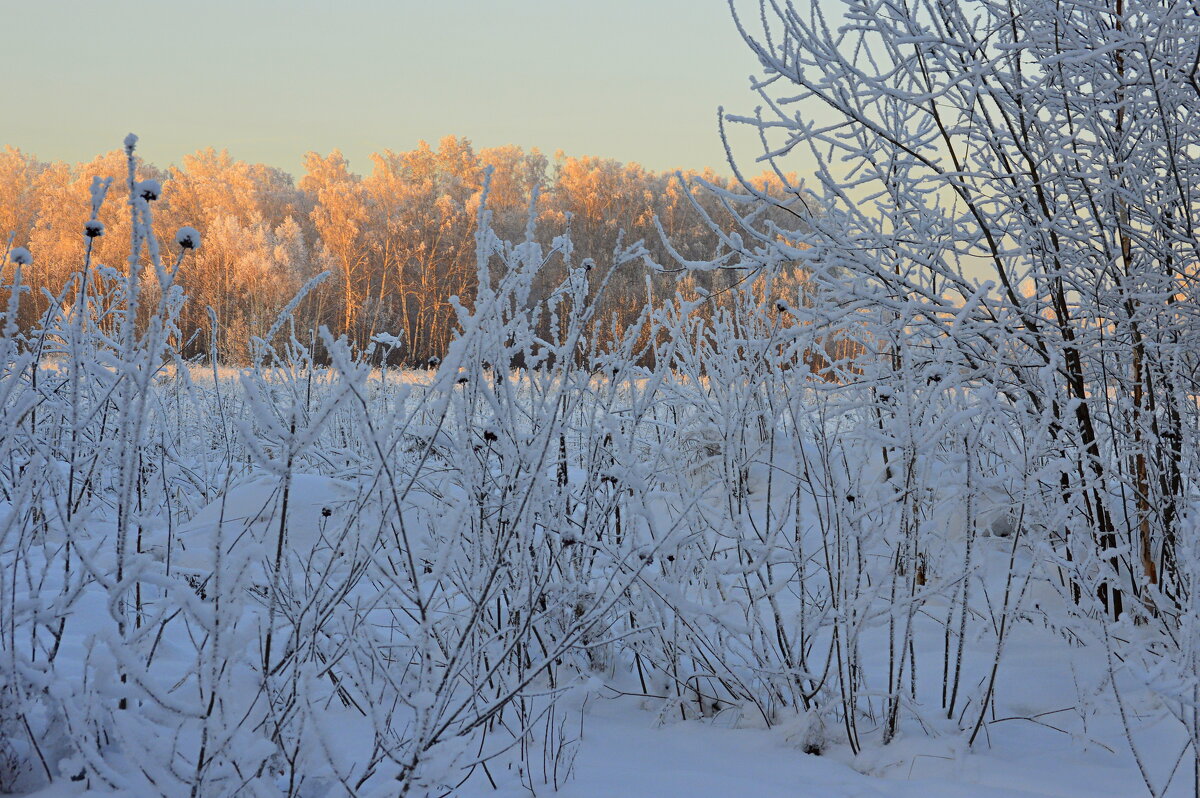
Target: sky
column 634, row 80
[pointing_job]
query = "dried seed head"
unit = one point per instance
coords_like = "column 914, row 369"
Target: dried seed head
column 93, row 228
column 188, row 238
column 149, row 190
column 20, row 256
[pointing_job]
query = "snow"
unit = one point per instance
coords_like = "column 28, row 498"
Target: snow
column 188, row 238
column 623, row 754
column 20, row 256
column 149, row 189
column 387, row 339
column 1054, row 730
column 246, row 517
column 619, row 747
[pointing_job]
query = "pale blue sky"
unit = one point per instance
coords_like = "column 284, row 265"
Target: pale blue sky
column 636, row 80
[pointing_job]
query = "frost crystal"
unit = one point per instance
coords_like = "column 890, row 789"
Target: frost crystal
column 93, row 228
column 130, row 142
column 188, row 238
column 21, row 256
column 149, row 190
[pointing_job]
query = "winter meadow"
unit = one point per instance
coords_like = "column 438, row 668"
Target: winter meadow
column 867, row 466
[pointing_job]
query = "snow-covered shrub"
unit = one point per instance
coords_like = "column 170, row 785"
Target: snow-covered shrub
column 302, row 581
column 998, row 212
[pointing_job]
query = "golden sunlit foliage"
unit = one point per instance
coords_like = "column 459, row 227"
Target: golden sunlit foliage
column 399, row 242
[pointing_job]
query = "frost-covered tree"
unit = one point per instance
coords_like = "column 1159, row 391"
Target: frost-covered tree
column 1006, row 203
column 340, row 217
column 1024, row 174
column 18, row 193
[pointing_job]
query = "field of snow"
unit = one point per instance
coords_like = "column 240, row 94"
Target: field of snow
column 671, row 538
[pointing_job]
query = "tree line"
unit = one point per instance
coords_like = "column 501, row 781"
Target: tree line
column 399, row 242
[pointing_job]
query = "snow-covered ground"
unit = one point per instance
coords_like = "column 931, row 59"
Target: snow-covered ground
column 624, row 750
column 1053, row 729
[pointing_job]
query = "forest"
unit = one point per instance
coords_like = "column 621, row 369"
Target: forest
column 398, row 243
